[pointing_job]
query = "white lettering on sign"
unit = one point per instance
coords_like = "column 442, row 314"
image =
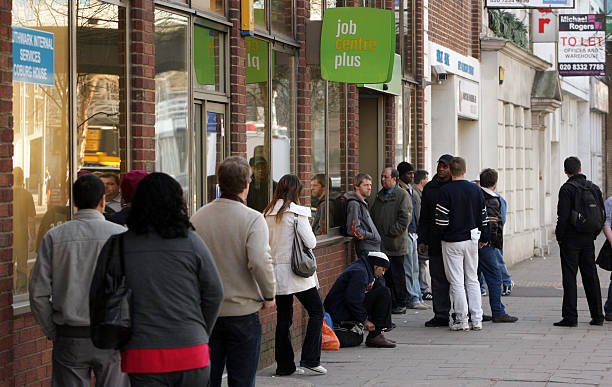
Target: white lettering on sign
column 353, row 44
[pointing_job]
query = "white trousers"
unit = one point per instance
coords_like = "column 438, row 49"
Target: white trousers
column 461, row 268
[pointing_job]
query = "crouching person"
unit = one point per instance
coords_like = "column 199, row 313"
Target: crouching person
column 359, row 294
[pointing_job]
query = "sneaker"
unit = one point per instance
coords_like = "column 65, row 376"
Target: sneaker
column 398, row 310
column 476, row 326
column 318, row 369
column 420, row 306
column 505, row 319
column 483, row 292
column 379, row 341
column 428, row 296
column 507, row 289
column 459, row 326
column 436, row 322
column 486, row 317
column 298, row 371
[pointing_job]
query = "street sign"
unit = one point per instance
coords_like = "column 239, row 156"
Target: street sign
column 530, row 4
column 33, row 56
column 581, row 48
column 357, row 45
column 544, row 26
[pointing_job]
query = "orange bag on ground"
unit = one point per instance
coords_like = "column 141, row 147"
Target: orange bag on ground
column 329, row 339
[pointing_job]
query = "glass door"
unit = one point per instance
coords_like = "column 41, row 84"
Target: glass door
column 210, row 138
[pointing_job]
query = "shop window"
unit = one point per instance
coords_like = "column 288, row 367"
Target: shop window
column 405, row 38
column 282, row 114
column 326, row 124
column 208, row 54
column 282, row 17
column 100, row 69
column 40, row 129
column 260, row 13
column 400, row 146
column 171, row 96
column 214, row 6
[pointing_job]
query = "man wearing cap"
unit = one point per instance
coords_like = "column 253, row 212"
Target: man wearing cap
column 411, row 261
column 430, row 243
column 359, row 294
column 129, row 184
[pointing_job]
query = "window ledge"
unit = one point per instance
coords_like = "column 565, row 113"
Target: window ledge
column 329, row 240
column 21, row 305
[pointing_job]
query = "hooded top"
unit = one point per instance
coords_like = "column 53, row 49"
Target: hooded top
column 359, row 224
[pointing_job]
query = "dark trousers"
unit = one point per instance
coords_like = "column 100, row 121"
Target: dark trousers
column 439, row 287
column 395, row 278
column 74, row 359
column 235, row 343
column 195, row 377
column 378, row 304
column 573, row 257
column 311, row 348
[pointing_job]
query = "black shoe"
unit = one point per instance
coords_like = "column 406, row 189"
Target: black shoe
column 596, row 321
column 398, row 310
column 566, row 323
column 608, row 317
column 486, row 317
column 505, row 319
column 436, row 322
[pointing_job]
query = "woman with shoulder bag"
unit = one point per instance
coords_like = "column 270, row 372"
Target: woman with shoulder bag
column 281, row 213
column 176, row 289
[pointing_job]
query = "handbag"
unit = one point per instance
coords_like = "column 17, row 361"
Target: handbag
column 604, row 258
column 110, row 300
column 303, row 261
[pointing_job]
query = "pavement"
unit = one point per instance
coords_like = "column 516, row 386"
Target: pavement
column 531, row 352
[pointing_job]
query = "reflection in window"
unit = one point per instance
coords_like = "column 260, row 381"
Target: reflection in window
column 326, row 185
column 41, row 136
column 283, row 121
column 215, row 132
column 400, row 149
column 282, row 17
column 259, row 13
column 258, row 115
column 216, row 6
column 171, row 95
column 100, row 56
column 207, row 54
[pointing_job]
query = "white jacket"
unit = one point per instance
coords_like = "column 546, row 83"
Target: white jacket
column 281, row 243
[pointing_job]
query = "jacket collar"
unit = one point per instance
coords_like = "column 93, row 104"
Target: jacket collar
column 88, row 214
column 490, row 192
column 300, row 210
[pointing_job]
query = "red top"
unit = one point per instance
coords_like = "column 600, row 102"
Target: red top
column 162, row 360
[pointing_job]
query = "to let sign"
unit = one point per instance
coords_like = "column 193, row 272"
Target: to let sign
column 357, row 45
column 33, row 56
column 582, row 45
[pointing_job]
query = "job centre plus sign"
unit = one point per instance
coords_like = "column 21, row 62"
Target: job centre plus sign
column 357, row 45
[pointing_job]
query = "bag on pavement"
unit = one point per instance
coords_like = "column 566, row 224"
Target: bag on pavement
column 110, row 299
column 329, row 340
column 604, row 258
column 349, row 333
column 303, row 261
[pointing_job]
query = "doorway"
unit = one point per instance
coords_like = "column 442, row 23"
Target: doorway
column 371, row 115
column 210, row 148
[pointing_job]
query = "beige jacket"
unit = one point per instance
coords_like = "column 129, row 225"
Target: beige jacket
column 237, row 236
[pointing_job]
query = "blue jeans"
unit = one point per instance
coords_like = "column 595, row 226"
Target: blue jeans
column 488, row 263
column 235, row 343
column 411, row 269
column 505, row 274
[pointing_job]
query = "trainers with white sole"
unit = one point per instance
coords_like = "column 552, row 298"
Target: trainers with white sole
column 459, row 326
column 476, row 326
column 318, row 369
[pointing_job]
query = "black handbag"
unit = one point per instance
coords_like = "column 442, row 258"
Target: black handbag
column 604, row 258
column 110, row 299
column 303, row 261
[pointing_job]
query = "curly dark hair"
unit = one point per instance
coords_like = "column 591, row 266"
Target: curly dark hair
column 159, row 206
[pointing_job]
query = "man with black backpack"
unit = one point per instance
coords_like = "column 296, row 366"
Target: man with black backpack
column 580, row 218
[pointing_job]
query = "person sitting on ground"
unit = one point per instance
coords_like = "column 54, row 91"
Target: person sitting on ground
column 359, row 294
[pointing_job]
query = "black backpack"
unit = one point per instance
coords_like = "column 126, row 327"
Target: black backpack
column 588, row 215
column 340, row 211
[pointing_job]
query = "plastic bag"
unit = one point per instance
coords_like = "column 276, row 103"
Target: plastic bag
column 329, row 339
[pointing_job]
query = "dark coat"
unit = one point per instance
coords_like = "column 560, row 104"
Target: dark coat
column 428, row 233
column 392, row 213
column 565, row 231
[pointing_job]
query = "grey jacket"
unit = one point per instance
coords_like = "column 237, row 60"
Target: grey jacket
column 392, row 213
column 359, row 224
column 67, row 257
column 176, row 289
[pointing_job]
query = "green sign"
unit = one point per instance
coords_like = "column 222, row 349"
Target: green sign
column 257, row 60
column 357, row 45
column 204, row 55
column 394, row 86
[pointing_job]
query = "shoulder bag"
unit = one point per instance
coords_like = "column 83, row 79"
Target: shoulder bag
column 110, row 299
column 303, row 261
column 604, row 259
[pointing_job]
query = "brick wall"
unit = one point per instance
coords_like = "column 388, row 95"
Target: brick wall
column 143, row 84
column 237, row 83
column 451, row 24
column 420, row 92
column 32, row 353
column 6, row 195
